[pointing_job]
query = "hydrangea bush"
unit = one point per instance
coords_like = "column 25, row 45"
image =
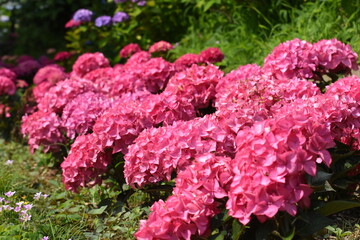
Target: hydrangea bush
column 249, row 144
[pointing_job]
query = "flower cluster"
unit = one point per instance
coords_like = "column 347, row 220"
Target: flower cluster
column 283, row 127
column 86, row 161
column 195, row 84
column 161, row 46
column 211, row 55
column 158, row 152
column 80, row 114
column 103, row 21
column 85, row 15
column 187, row 60
column 271, row 127
column 43, row 129
column 51, row 73
column 82, row 15
column 62, row 56
column 7, row 86
column 298, row 58
column 273, row 156
column 120, row 125
column 89, row 62
column 189, row 210
column 129, row 50
column 21, row 208
column 62, row 93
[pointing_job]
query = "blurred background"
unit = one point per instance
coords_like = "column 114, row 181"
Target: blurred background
column 245, row 30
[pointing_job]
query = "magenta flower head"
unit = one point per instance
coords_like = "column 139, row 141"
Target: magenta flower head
column 103, row 21
column 141, row 3
column 82, row 15
column 120, row 17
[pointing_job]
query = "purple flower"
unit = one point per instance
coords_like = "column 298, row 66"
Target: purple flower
column 83, row 15
column 119, row 1
column 9, row 194
column 37, row 196
column 9, row 162
column 141, row 3
column 103, row 21
column 120, row 17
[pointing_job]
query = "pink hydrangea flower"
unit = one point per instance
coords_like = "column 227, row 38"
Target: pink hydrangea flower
column 294, row 58
column 21, row 83
column 161, row 46
column 88, row 62
column 7, row 86
column 334, row 56
column 195, row 84
column 189, row 210
column 72, row 23
column 40, row 90
column 62, row 56
column 246, row 95
column 63, row 92
column 42, row 129
column 138, row 58
column 5, row 72
column 52, row 73
column 120, row 125
column 211, row 55
column 80, row 114
column 85, row 163
column 343, row 110
column 129, row 50
column 186, row 61
column 159, row 152
column 271, row 160
column 155, row 74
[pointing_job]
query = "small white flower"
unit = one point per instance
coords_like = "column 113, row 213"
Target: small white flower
column 37, row 196
column 9, row 162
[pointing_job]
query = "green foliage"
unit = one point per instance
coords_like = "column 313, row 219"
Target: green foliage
column 247, row 31
column 158, row 20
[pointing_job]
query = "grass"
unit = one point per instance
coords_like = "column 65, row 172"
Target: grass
column 248, row 32
column 92, row 214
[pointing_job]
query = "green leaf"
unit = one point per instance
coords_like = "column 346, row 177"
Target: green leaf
column 237, row 229
column 320, row 178
column 337, row 206
column 221, row 235
column 75, row 209
column 58, row 196
column 97, row 211
column 289, row 237
column 309, row 223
